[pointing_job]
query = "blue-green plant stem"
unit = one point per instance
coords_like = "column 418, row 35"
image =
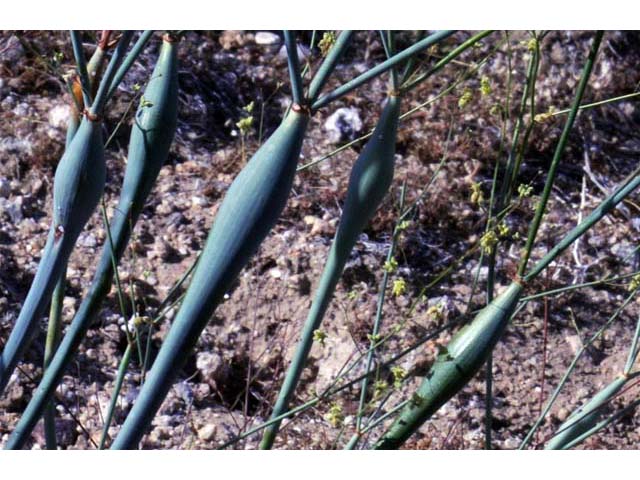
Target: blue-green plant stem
column 107, row 80
column 149, row 145
column 249, row 211
column 76, row 42
column 607, row 205
column 633, row 350
column 128, row 62
column 570, row 369
column 369, row 181
column 294, row 67
column 54, row 331
column 376, row 328
column 381, row 68
column 600, row 425
column 122, row 371
column 456, row 52
column 564, row 137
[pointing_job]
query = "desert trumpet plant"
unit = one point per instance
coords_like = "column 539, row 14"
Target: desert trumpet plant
column 151, row 137
column 77, row 188
column 250, row 208
column 369, row 182
column 583, row 419
column 455, row 365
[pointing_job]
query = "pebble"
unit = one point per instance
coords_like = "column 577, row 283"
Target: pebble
column 207, row 433
column 5, row 189
column 344, row 124
column 267, row 38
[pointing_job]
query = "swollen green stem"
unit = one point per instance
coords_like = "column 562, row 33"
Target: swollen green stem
column 370, row 179
column 151, row 137
column 248, row 212
column 564, row 137
column 77, row 188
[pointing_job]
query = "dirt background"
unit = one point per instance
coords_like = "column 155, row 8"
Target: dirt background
column 232, row 379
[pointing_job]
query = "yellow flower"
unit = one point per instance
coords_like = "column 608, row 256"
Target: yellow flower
column 390, row 266
column 335, row 416
column 485, row 86
column 465, row 98
column 327, row 41
column 488, row 241
column 319, row 336
column 399, row 287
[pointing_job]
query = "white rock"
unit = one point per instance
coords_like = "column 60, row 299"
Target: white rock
column 59, row 116
column 266, row 38
column 343, row 124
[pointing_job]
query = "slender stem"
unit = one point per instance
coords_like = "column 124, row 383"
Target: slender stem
column 577, row 286
column 329, row 65
column 378, row 320
column 381, row 68
column 85, row 83
column 294, row 67
column 607, row 205
column 127, row 63
column 105, row 85
column 600, row 425
column 564, row 137
column 54, row 331
column 572, row 366
column 586, row 106
column 633, row 351
column 122, row 370
column 446, row 60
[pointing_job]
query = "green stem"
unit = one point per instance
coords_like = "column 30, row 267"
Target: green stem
column 294, row 67
column 572, row 366
column 328, row 65
column 76, row 42
column 127, row 63
column 122, row 371
column 107, row 80
column 564, row 137
column 54, row 332
column 381, row 68
column 607, row 205
column 446, row 60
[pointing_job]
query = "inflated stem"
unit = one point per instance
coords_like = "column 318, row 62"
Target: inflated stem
column 368, row 184
column 249, row 210
column 586, row 416
column 151, row 136
column 77, row 188
column 456, row 364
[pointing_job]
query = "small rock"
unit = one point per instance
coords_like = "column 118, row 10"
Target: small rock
column 12, row 50
column 211, row 367
column 207, row 433
column 59, row 116
column 87, row 240
column 267, row 38
column 562, row 414
column 343, row 125
column 5, row 189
